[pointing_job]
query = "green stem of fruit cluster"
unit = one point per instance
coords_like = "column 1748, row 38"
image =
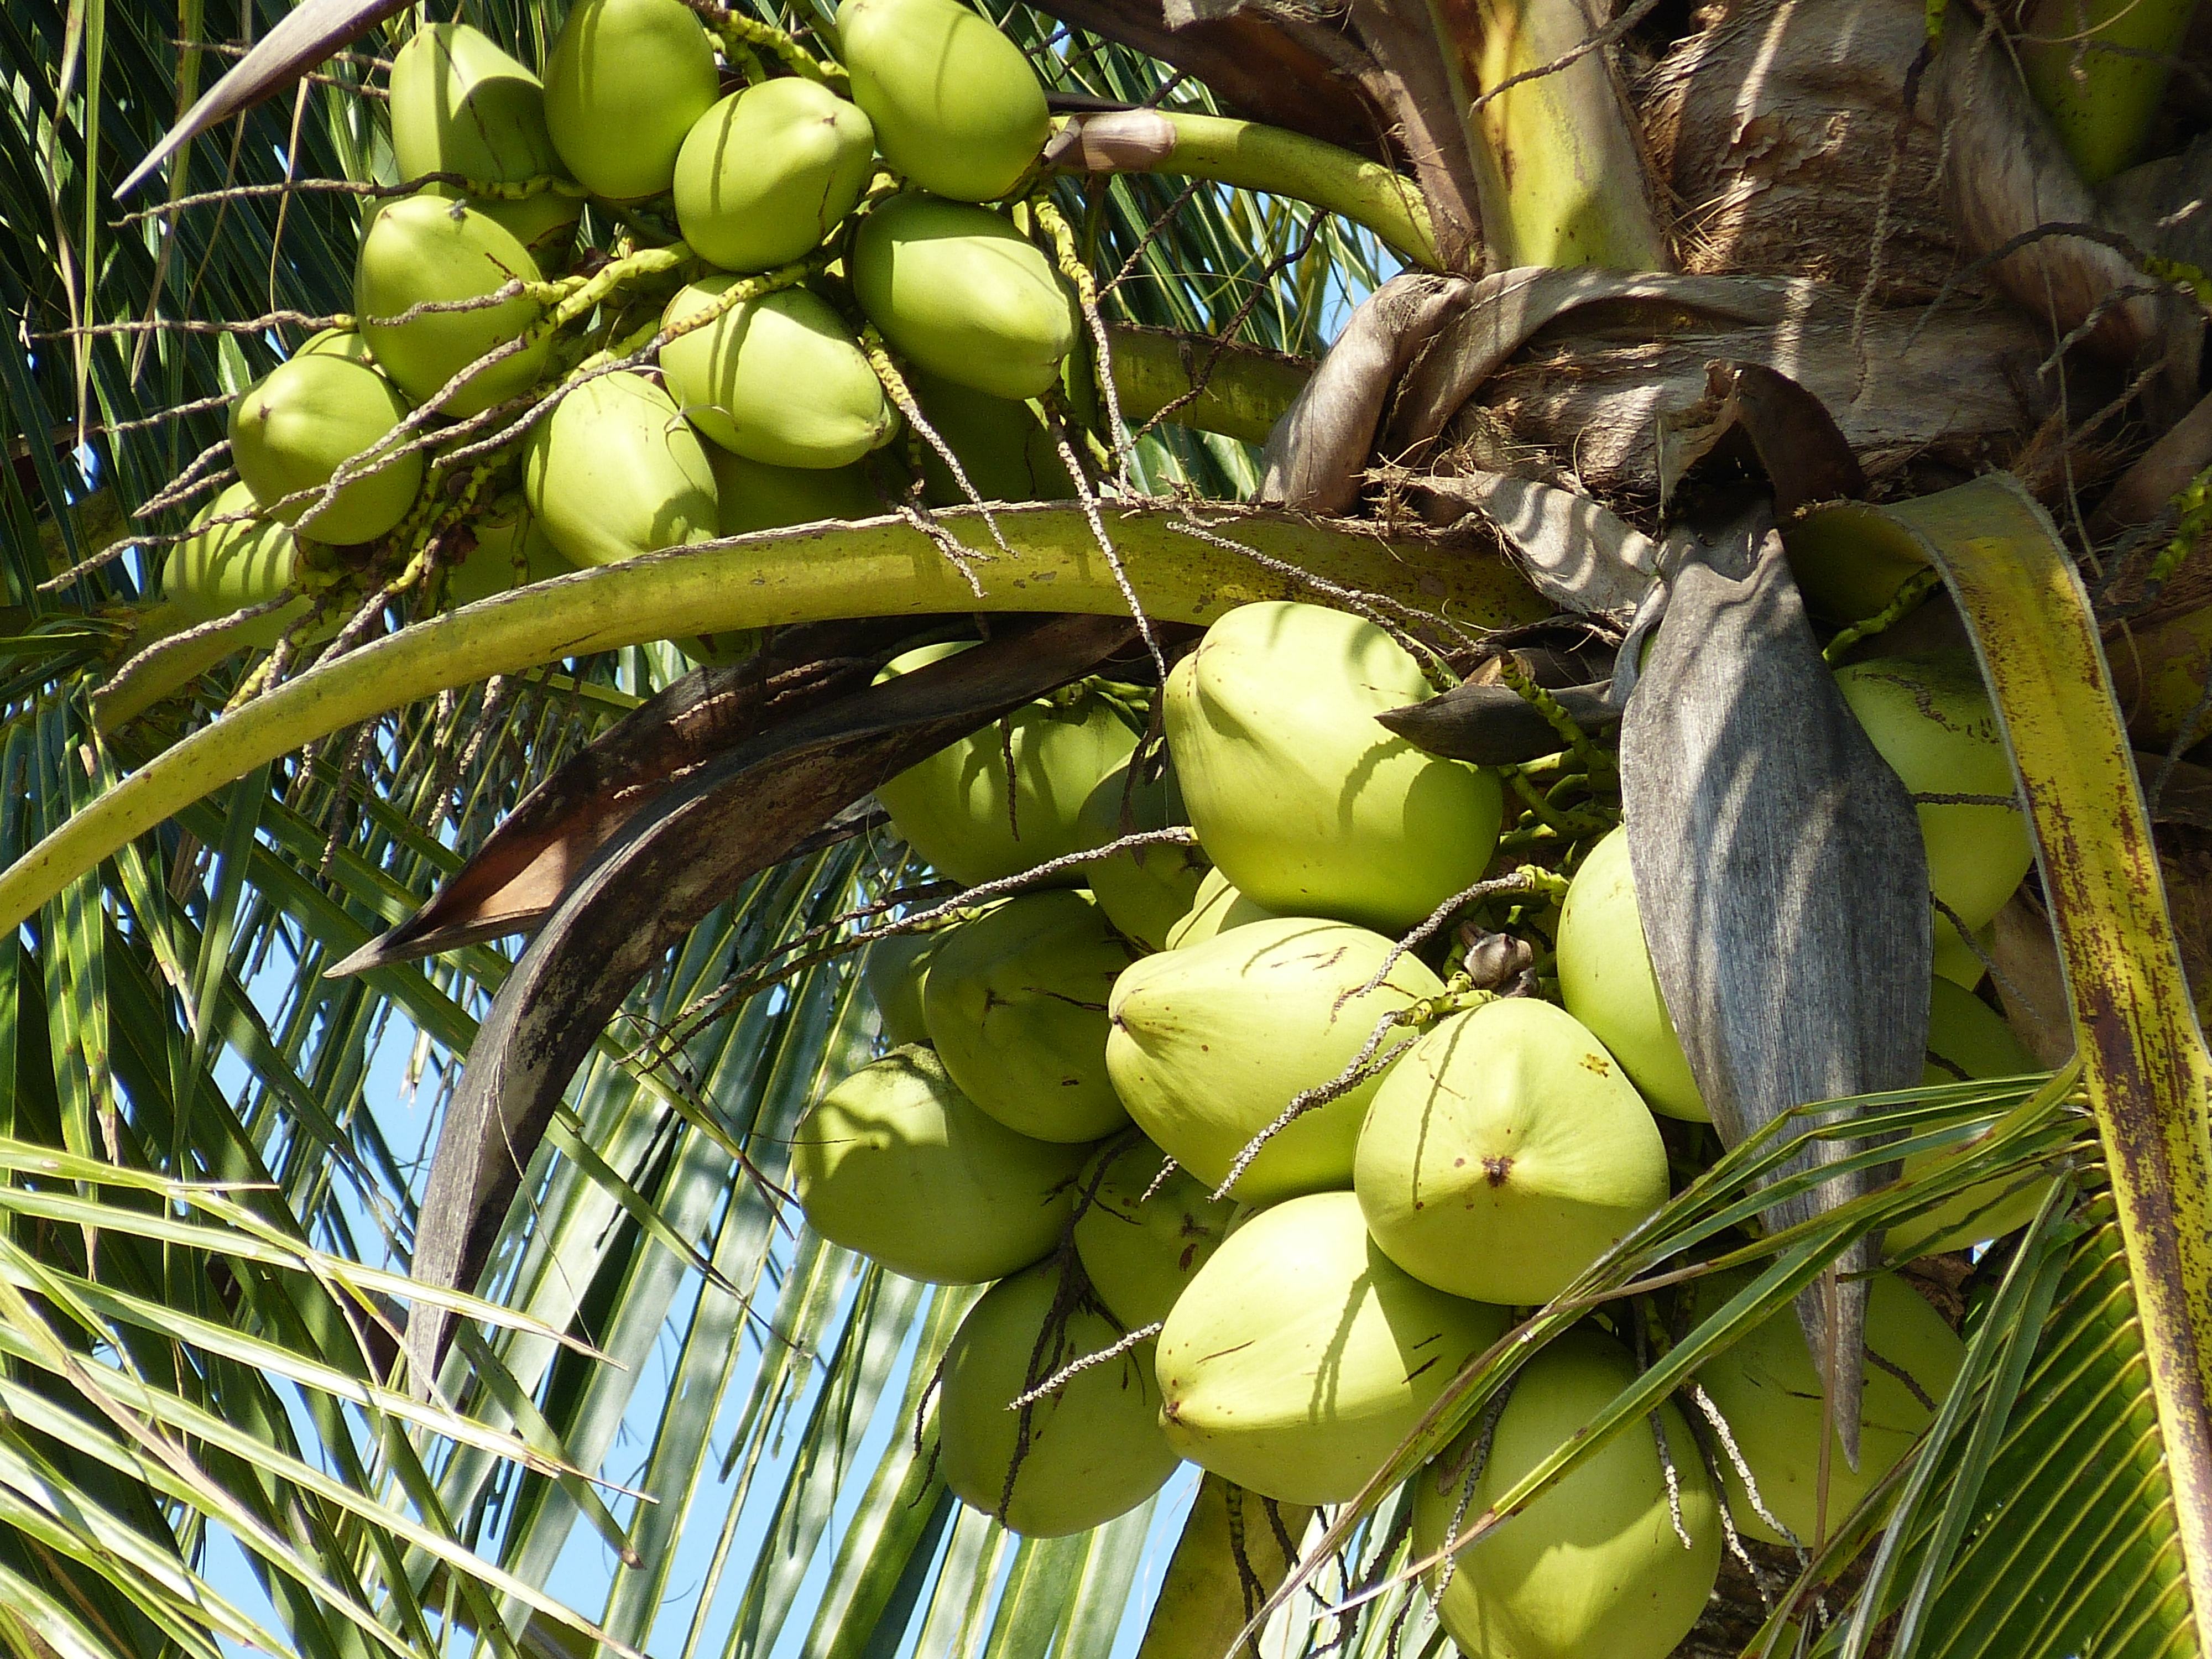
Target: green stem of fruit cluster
column 1197, row 380
column 742, row 34
column 1182, row 569
column 2100, row 68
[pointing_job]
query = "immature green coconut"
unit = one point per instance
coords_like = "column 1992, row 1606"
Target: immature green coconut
column 1298, row 795
column 953, row 807
column 1767, row 1389
column 615, row 471
column 1967, row 1040
column 1606, row 982
column 422, row 248
column 460, row 105
column 623, row 83
column 1301, row 1355
column 1141, row 1253
column 1931, row 718
column 956, row 107
column 1145, row 891
column 779, row 379
column 1217, row 908
column 1002, row 445
column 300, row 423
column 757, row 497
column 1015, row 1001
column 512, row 551
column 1506, row 1152
column 1595, row 1565
column 895, row 1163
column 1962, row 962
column 1212, row 1042
column 963, row 294
column 765, row 174
column 893, row 973
column 231, row 566
column 1091, row 1451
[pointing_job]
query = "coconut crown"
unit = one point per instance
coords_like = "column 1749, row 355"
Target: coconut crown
column 1300, row 1355
column 1299, row 796
column 895, row 1163
column 623, row 83
column 962, row 292
column 1211, row 1041
column 1094, row 1448
column 1594, row 1565
column 614, row 472
column 1505, row 1152
column 1140, row 1252
column 1606, row 981
column 956, row 106
column 767, row 172
column 424, row 248
column 1015, row 1002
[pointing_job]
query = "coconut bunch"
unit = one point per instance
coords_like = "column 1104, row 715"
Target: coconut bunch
column 1258, row 1156
column 619, row 309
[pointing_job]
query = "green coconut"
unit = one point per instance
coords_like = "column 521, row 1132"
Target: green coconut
column 232, row 566
column 1015, row 1002
column 953, row 807
column 1145, row 891
column 1595, row 1565
column 956, row 106
column 1140, row 1253
column 1967, row 1040
column 294, row 427
column 1767, row 1389
column 624, row 82
column 1506, row 1152
column 1217, row 908
column 757, row 497
column 736, row 377
column 1301, row 1355
column 1606, row 982
column 961, row 293
column 616, row 471
column 1963, row 963
column 1091, row 1451
column 424, row 248
column 344, row 343
column 460, row 105
column 1003, row 446
column 765, row 174
column 1211, row 1041
column 895, row 1163
column 512, row 551
column 893, row 973
column 1932, row 721
column 1301, row 797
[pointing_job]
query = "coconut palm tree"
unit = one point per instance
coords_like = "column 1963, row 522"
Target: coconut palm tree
column 406, row 1005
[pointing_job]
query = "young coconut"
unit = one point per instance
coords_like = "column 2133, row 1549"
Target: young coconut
column 1145, row 891
column 1086, row 1453
column 735, row 379
column 300, row 423
column 963, row 294
column 511, row 551
column 895, row 1163
column 1217, row 908
column 1931, row 718
column 757, row 497
column 1765, row 1385
column 623, row 83
column 1303, row 801
column 422, row 249
column 1506, row 1152
column 1595, row 1565
column 1301, row 1355
column 460, row 105
column 1002, row 445
column 1606, row 982
column 1211, row 1043
column 956, row 106
column 953, row 808
column 1967, row 1040
column 1015, row 1002
column 615, row 471
column 231, row 566
column 765, row 174
column 1141, row 1253
column 893, row 972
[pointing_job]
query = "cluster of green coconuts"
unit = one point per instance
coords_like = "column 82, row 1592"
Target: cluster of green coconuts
column 1050, row 1052
column 765, row 416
